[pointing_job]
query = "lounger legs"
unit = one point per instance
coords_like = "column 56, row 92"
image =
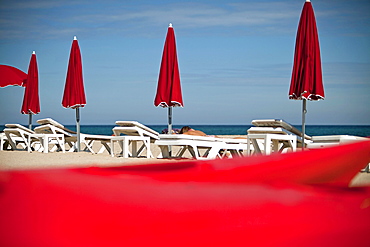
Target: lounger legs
column 271, row 143
column 126, row 141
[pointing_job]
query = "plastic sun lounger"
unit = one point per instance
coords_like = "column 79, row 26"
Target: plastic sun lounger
column 69, row 138
column 5, row 143
column 107, row 142
column 17, row 133
column 124, row 142
column 201, row 147
column 135, row 132
column 49, row 125
column 134, row 128
column 279, row 123
column 271, row 139
column 310, row 141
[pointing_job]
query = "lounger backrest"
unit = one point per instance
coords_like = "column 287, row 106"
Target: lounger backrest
column 51, row 129
column 134, row 128
column 50, row 121
column 134, row 131
column 20, row 127
column 279, row 123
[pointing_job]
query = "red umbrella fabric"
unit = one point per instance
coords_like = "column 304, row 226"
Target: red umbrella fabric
column 11, row 76
column 31, row 101
column 74, row 91
column 169, row 86
column 306, row 80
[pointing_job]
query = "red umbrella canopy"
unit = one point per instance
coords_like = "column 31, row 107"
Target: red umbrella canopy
column 31, row 102
column 11, row 76
column 169, row 86
column 74, row 92
column 306, row 80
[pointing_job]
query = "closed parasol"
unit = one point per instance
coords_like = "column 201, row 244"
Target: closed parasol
column 169, row 87
column 74, row 92
column 31, row 101
column 306, row 83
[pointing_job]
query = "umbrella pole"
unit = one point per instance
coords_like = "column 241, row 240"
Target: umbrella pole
column 30, row 121
column 304, row 111
column 170, row 120
column 78, row 128
column 170, row 127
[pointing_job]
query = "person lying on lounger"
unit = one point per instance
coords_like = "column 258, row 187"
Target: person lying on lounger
column 186, row 130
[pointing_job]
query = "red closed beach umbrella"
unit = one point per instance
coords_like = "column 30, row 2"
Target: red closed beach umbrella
column 306, row 83
column 169, row 87
column 31, row 101
column 11, row 76
column 74, row 92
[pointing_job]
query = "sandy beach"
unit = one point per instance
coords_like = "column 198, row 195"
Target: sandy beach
column 16, row 160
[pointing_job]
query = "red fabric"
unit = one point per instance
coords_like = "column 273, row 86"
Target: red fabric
column 10, row 76
column 334, row 166
column 306, row 80
column 31, row 101
column 154, row 205
column 74, row 92
column 169, row 86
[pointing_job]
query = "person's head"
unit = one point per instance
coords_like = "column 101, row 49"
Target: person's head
column 184, row 129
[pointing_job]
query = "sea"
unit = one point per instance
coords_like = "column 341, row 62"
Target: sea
column 312, row 130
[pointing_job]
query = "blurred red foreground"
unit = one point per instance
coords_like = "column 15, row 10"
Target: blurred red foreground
column 294, row 199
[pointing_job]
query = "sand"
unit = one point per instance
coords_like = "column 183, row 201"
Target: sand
column 19, row 160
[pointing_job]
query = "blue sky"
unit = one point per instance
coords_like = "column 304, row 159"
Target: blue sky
column 235, row 59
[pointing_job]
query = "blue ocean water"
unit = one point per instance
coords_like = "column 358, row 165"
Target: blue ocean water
column 313, row 130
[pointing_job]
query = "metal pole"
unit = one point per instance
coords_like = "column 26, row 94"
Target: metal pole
column 30, row 121
column 78, row 128
column 170, row 120
column 304, row 111
column 170, row 127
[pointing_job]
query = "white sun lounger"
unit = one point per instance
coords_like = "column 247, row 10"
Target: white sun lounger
column 49, row 125
column 5, row 143
column 134, row 128
column 17, row 133
column 124, row 142
column 311, row 142
column 17, row 136
column 201, row 147
column 268, row 139
column 135, row 132
column 107, row 142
